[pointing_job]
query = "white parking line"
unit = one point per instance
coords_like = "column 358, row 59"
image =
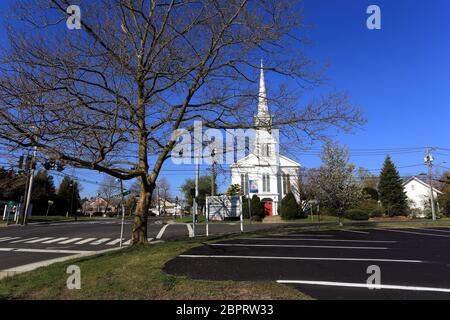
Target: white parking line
column 293, row 246
column 39, row 240
column 85, row 240
column 299, row 258
column 363, row 285
column 419, row 233
column 71, row 240
column 161, row 232
column 99, row 241
column 55, row 240
column 354, row 231
column 327, row 240
column 437, row 230
column 306, row 235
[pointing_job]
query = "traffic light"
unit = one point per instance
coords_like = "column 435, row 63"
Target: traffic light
column 21, row 162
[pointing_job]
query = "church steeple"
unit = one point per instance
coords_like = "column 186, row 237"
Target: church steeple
column 263, row 118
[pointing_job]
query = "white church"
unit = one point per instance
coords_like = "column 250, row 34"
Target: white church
column 264, row 172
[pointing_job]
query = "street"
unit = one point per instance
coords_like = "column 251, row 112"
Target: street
column 39, row 242
column 413, row 263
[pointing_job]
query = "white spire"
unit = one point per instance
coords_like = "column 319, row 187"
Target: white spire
column 263, row 109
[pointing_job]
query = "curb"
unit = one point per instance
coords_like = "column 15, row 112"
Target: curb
column 33, row 266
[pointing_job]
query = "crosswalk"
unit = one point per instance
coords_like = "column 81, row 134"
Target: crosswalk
column 65, row 241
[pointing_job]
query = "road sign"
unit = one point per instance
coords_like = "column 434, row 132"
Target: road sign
column 125, row 193
column 11, row 204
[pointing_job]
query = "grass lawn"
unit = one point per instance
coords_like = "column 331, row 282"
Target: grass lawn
column 135, row 273
column 54, row 218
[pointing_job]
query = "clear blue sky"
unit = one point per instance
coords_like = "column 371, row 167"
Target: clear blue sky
column 399, row 75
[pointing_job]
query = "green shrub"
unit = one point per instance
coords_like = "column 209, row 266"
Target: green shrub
column 289, row 208
column 257, row 208
column 356, row 214
column 371, row 207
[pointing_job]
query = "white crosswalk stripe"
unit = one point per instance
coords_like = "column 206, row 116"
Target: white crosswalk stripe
column 99, row 241
column 85, row 241
column 111, row 243
column 66, row 240
column 39, row 240
column 69, row 241
column 8, row 239
column 23, row 240
column 55, row 240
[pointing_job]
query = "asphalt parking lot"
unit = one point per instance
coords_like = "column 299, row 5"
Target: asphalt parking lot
column 414, row 263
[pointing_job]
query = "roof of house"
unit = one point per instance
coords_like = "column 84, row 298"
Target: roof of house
column 413, row 178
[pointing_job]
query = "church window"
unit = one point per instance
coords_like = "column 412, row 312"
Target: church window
column 266, row 183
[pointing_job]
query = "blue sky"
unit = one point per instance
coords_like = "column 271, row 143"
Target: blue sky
column 399, row 76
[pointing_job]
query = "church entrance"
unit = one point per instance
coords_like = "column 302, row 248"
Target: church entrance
column 267, row 207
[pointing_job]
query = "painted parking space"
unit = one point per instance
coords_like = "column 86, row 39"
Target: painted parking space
column 335, row 266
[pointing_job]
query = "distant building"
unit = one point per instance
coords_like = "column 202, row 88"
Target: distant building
column 271, row 175
column 166, row 207
column 418, row 193
column 99, row 206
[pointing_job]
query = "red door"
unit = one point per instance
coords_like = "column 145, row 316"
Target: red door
column 268, row 208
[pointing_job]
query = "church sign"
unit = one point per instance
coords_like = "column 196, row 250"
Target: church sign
column 253, row 186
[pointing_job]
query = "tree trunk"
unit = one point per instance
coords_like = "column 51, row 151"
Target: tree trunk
column 139, row 235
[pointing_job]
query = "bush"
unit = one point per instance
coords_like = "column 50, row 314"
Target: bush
column 356, row 214
column 257, row 208
column 371, row 207
column 289, row 208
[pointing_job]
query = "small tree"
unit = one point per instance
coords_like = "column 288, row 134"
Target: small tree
column 289, row 207
column 234, row 190
column 257, row 208
column 338, row 190
column 391, row 191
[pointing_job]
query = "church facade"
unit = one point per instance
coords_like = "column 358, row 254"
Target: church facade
column 264, row 172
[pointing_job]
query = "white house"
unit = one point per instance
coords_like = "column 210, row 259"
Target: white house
column 418, row 192
column 271, row 175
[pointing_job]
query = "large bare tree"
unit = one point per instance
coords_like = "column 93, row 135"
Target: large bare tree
column 108, row 96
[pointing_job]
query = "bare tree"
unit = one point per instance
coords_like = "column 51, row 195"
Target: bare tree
column 107, row 97
column 109, row 188
column 163, row 192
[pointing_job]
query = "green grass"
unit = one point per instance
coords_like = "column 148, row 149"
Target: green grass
column 135, row 273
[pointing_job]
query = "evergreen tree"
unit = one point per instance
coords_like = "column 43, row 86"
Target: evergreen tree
column 444, row 199
column 257, row 208
column 68, row 197
column 43, row 191
column 391, row 191
column 289, row 207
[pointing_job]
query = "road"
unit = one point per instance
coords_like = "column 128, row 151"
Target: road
column 414, row 263
column 39, row 242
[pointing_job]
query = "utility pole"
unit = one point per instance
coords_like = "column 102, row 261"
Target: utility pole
column 213, row 173
column 123, row 213
column 194, row 214
column 30, row 185
column 429, row 161
column 157, row 198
